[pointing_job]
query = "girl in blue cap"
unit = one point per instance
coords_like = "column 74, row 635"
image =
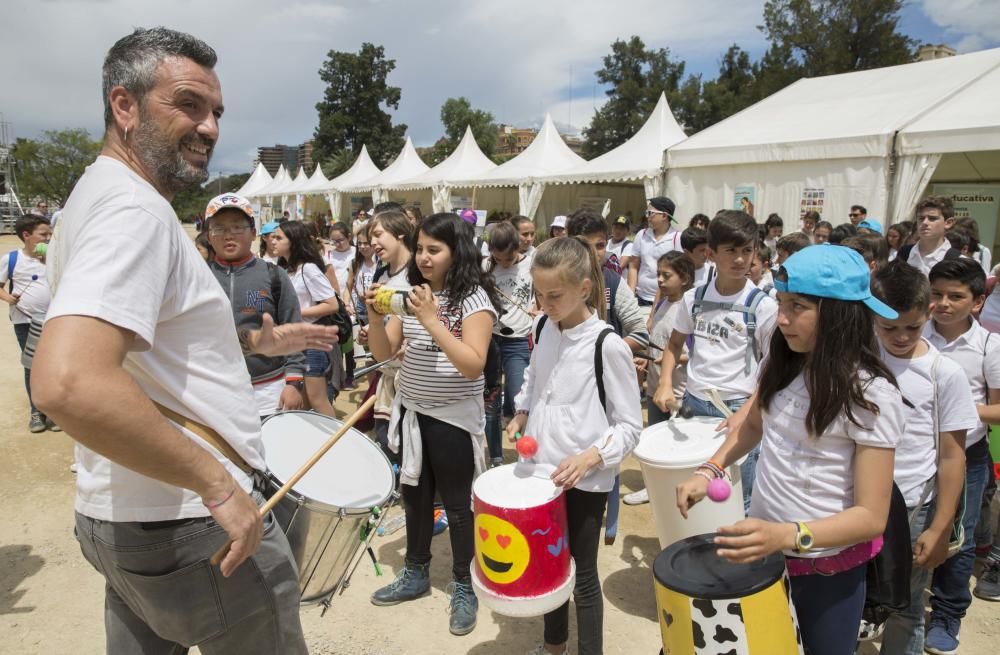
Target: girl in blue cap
column 829, row 416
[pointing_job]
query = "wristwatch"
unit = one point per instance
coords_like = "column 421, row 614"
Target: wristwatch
column 803, row 538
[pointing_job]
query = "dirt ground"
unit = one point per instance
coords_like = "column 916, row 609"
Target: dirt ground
column 51, row 600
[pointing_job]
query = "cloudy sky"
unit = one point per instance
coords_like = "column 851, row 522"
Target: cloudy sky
column 516, row 58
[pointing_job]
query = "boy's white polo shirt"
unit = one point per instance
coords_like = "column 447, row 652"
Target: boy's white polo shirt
column 916, row 455
column 926, row 263
column 978, row 353
column 649, row 249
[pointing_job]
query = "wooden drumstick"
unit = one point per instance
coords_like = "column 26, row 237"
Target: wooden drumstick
column 515, row 303
column 285, row 488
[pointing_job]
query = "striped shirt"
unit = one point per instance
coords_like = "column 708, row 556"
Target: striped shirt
column 428, row 378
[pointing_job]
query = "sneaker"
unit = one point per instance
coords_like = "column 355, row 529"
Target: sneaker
column 463, row 608
column 440, row 521
column 640, row 497
column 51, row 425
column 988, row 586
column 37, row 423
column 540, row 650
column 942, row 635
column 495, row 462
column 412, row 582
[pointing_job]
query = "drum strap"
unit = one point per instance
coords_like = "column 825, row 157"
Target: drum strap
column 208, row 434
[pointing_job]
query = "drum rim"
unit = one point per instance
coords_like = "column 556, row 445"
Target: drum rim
column 320, row 505
column 675, row 581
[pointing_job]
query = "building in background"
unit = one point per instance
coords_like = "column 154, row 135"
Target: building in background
column 928, row 52
column 291, row 157
column 513, row 141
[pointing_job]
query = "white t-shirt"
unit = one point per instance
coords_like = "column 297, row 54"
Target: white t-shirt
column 621, row 249
column 649, row 249
column 30, row 283
column 363, row 279
column 341, row 262
column 990, row 316
column 664, row 318
column 121, row 255
column 428, row 378
column 516, row 282
column 925, row 264
column 916, row 456
column 978, row 353
column 804, row 478
column 718, row 356
column 311, row 287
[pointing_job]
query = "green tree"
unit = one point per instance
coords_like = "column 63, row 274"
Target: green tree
column 353, row 110
column 635, row 77
column 733, row 90
column 193, row 200
column 49, row 167
column 456, row 115
column 838, row 36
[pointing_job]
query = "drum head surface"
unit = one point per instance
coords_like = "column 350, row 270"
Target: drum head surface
column 679, row 442
column 354, row 474
column 692, row 568
column 514, row 487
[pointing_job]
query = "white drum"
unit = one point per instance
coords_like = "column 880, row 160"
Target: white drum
column 322, row 515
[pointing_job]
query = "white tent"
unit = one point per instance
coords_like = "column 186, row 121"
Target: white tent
column 824, row 143
column 467, row 160
column 317, row 182
column 362, row 169
column 258, row 180
column 406, row 165
column 266, row 191
column 547, row 155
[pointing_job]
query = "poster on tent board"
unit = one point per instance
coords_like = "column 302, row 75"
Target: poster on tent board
column 745, row 198
column 812, row 201
column 978, row 201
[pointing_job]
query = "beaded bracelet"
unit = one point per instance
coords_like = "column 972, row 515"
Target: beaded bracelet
column 715, row 470
column 704, row 475
column 221, row 502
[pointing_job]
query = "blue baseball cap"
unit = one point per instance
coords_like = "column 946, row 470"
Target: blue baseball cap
column 836, row 272
column 871, row 224
column 268, row 228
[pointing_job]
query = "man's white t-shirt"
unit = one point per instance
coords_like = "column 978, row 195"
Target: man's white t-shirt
column 341, row 262
column 718, row 354
column 978, row 353
column 121, row 255
column 311, row 287
column 30, row 283
column 806, row 478
column 916, row 455
column 649, row 249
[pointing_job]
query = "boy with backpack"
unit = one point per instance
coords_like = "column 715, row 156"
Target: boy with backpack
column 729, row 322
column 930, row 457
column 957, row 291
column 255, row 287
column 24, row 286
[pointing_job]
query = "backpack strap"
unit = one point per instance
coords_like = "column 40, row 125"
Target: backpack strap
column 272, row 271
column 380, row 270
column 11, row 263
column 538, row 328
column 599, row 366
column 750, row 318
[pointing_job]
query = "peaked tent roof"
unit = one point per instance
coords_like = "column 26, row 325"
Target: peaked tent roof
column 363, row 168
column 297, row 185
column 548, row 155
column 837, row 116
column 406, row 165
column 280, row 179
column 316, row 181
column 467, row 160
column 638, row 158
column 257, row 180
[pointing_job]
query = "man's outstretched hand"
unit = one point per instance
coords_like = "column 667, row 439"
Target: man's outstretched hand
column 275, row 341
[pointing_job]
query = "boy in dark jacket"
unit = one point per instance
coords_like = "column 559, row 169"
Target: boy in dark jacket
column 255, row 287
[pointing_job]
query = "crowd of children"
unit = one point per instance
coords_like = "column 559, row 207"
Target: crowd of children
column 844, row 363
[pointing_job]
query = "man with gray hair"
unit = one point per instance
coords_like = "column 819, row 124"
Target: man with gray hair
column 141, row 363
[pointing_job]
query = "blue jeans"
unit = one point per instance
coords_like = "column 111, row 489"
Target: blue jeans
column 654, row 414
column 748, row 468
column 950, row 588
column 829, row 610
column 21, row 332
column 514, row 358
column 904, row 631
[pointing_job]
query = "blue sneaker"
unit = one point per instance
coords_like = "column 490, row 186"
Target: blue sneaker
column 942, row 635
column 440, row 521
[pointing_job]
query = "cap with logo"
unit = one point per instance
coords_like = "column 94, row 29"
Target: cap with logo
column 622, row 220
column 229, row 201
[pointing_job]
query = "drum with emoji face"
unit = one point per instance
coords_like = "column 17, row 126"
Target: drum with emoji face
column 522, row 565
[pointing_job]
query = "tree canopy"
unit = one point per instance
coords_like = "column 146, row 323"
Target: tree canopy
column 456, row 115
column 49, row 167
column 353, row 110
column 194, row 199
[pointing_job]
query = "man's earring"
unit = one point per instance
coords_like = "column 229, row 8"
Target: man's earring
column 125, row 138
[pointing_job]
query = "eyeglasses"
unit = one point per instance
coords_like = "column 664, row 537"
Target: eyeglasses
column 234, row 230
column 651, row 212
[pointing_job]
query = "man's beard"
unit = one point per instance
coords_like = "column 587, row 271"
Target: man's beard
column 163, row 159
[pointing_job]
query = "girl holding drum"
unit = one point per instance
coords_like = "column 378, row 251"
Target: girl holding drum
column 437, row 416
column 560, row 404
column 829, row 415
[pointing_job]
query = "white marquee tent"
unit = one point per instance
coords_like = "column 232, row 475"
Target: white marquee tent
column 830, row 142
column 406, row 165
column 257, row 180
column 362, row 169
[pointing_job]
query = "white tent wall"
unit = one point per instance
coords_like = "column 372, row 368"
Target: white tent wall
column 779, row 188
column 913, row 175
